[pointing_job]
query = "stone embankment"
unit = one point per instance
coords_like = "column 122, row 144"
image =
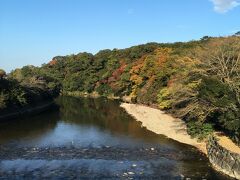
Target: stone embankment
column 223, row 159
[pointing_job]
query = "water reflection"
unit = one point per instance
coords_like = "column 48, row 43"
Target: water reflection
column 106, row 116
column 28, row 128
column 84, row 136
column 82, row 123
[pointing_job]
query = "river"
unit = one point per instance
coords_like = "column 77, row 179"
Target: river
column 94, row 139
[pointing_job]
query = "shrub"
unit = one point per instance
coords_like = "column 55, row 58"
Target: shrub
column 199, row 130
column 164, row 100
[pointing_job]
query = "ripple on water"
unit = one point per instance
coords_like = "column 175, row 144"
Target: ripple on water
column 87, row 167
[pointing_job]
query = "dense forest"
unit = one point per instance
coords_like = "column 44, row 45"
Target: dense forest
column 18, row 95
column 198, row 81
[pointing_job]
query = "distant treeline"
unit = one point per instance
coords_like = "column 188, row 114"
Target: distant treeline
column 198, row 81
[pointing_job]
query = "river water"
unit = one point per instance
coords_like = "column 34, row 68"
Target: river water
column 94, row 139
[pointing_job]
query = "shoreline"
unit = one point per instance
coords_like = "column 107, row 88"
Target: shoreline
column 161, row 123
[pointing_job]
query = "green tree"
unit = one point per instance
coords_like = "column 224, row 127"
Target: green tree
column 2, row 73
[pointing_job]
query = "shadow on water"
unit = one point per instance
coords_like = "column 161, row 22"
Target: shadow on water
column 94, row 138
column 29, row 127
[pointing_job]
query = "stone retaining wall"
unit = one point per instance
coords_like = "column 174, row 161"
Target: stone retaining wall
column 222, row 159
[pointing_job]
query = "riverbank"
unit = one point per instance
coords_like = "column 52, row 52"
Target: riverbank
column 89, row 95
column 26, row 111
column 160, row 123
column 221, row 150
column 222, row 159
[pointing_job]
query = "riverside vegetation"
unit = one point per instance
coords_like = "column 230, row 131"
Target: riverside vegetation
column 19, row 96
column 197, row 81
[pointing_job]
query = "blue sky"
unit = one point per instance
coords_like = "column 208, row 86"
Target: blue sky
column 34, row 31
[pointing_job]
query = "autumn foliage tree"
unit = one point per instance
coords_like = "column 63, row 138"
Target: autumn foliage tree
column 223, row 61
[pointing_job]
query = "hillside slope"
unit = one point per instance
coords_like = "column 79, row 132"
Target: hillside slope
column 198, row 81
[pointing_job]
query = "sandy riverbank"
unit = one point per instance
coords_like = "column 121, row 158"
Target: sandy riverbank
column 160, row 123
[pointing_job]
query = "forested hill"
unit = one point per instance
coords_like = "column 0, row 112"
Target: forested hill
column 198, row 81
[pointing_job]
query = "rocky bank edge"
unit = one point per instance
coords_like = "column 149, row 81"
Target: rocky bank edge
column 223, row 157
